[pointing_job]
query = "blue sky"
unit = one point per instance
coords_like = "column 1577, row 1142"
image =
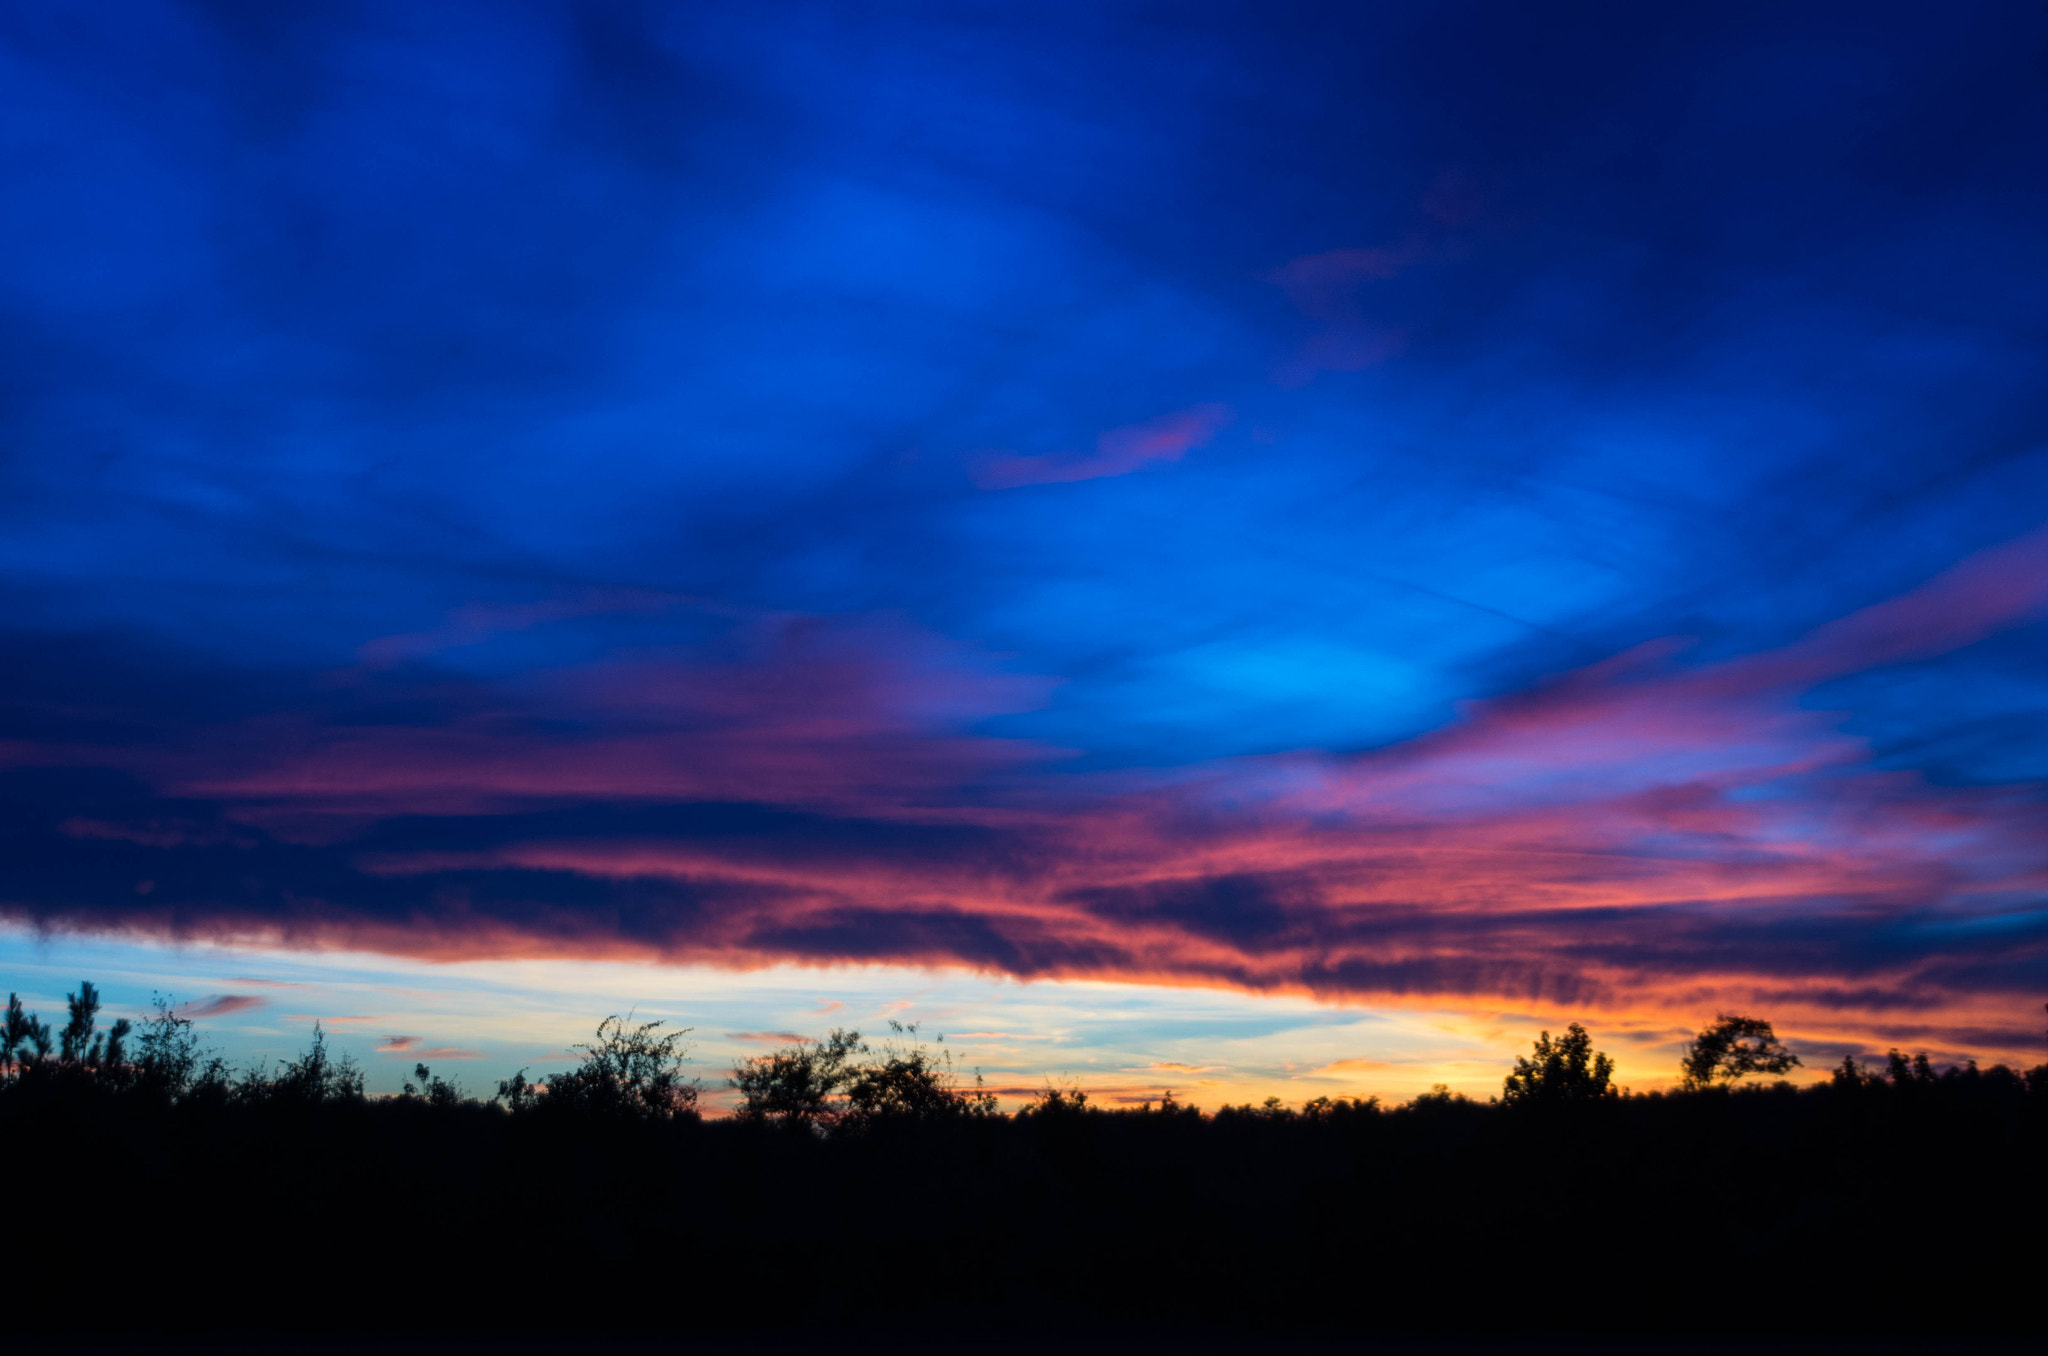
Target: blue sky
column 1371, row 504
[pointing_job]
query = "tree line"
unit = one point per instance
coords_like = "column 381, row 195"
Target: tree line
column 868, row 1186
column 840, row 1081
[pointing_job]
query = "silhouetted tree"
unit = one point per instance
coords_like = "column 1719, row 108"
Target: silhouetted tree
column 798, row 1084
column 518, row 1094
column 1903, row 1072
column 1440, row 1094
column 1057, row 1100
column 1336, row 1108
column 909, row 1082
column 1734, row 1047
column 313, row 1079
column 77, row 1045
column 635, row 1072
column 13, row 1033
column 1565, row 1070
column 36, row 1036
column 435, row 1092
column 1848, row 1074
column 168, row 1054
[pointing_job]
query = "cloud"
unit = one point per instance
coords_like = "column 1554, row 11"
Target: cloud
column 858, row 713
column 220, row 1005
column 766, row 1037
column 1647, row 834
column 1117, row 452
column 1355, row 1066
column 477, row 622
column 410, row 1047
column 1325, row 288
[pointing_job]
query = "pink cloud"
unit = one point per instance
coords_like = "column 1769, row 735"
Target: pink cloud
column 410, row 1046
column 155, row 833
column 1117, row 452
column 220, row 1005
column 1326, row 288
column 478, row 622
column 858, row 714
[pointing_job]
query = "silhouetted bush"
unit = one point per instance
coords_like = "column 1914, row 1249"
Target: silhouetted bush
column 634, row 1073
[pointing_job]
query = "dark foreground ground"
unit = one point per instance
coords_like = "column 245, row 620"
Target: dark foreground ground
column 1107, row 1342
column 1873, row 1217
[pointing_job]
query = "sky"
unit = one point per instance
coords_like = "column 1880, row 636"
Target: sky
column 1262, row 549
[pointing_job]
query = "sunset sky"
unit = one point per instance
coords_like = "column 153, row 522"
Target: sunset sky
column 1242, row 548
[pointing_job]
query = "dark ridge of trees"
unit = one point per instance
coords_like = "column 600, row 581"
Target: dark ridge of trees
column 867, row 1189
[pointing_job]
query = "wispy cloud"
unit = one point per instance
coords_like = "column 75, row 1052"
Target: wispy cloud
column 220, row 1005
column 478, row 622
column 1117, row 452
column 411, row 1047
column 1355, row 1066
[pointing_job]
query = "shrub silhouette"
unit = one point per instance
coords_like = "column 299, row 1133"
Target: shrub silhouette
column 631, row 1072
column 1734, row 1047
column 314, row 1078
column 843, row 1082
column 171, row 1062
column 798, row 1085
column 1565, row 1070
column 434, row 1091
column 910, row 1083
column 1056, row 1101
